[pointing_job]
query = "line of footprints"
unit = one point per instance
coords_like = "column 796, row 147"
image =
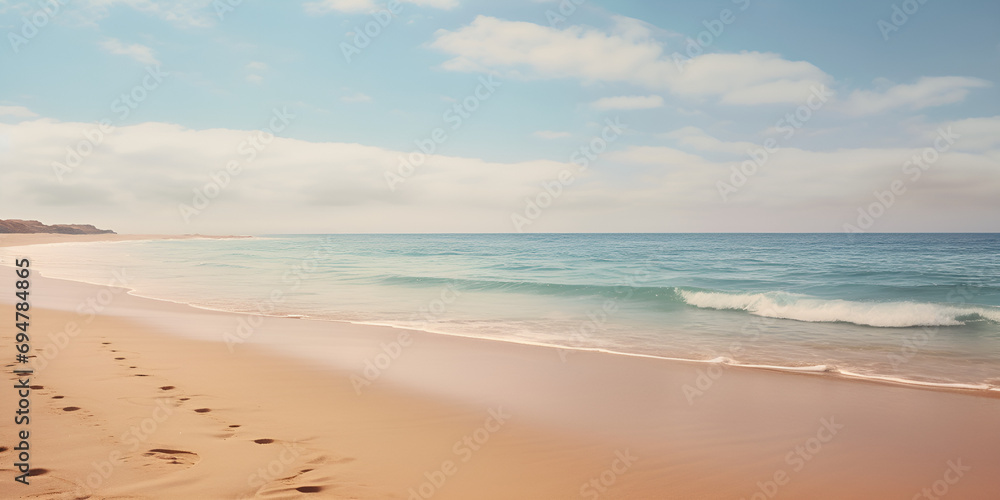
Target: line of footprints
column 166, row 456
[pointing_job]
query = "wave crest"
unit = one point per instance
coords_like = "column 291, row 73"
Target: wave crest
column 784, row 305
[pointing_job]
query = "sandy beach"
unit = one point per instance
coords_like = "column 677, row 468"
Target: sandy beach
column 138, row 398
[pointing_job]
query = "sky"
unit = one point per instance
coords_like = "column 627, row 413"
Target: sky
column 363, row 116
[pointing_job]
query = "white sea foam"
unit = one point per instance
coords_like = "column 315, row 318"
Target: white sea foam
column 810, row 309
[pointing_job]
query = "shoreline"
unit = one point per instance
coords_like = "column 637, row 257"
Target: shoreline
column 571, row 419
column 979, row 389
column 982, row 390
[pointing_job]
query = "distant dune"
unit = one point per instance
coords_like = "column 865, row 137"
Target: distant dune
column 33, row 226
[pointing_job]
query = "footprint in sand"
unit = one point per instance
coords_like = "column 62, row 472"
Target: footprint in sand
column 166, row 388
column 263, row 441
column 173, row 457
column 119, row 359
column 308, row 479
column 287, row 484
column 229, row 431
column 203, row 410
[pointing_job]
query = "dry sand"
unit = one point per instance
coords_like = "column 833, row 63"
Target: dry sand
column 148, row 399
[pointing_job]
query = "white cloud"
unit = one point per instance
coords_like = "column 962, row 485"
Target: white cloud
column 325, row 6
column 802, row 190
column 255, row 69
column 749, row 78
column 525, row 50
column 357, row 97
column 697, row 138
column 630, row 28
column 135, row 181
column 549, row 134
column 438, row 4
column 17, row 112
column 138, row 52
column 628, row 102
column 141, row 173
column 321, row 7
column 663, row 156
column 975, row 134
column 926, row 92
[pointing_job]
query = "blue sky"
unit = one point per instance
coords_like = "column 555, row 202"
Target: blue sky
column 331, row 168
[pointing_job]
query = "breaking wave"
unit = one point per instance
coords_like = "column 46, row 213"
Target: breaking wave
column 784, row 305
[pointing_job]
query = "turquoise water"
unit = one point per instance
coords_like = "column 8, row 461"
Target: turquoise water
column 917, row 307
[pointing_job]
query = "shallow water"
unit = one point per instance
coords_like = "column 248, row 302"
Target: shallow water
column 919, row 307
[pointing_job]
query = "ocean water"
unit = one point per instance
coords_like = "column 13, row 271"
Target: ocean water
column 920, row 308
